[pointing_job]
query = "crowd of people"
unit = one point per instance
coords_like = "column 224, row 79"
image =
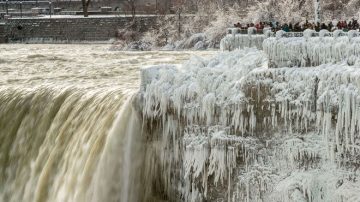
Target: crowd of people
column 299, row 27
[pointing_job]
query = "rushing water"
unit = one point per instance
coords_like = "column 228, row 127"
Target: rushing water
column 65, row 120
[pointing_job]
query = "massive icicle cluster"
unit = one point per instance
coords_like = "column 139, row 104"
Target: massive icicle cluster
column 234, row 40
column 308, row 50
column 230, row 129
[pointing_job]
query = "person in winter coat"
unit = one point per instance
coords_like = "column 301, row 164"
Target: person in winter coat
column 307, row 25
column 291, row 28
column 323, row 26
column 286, row 28
column 339, row 25
column 330, row 26
column 297, row 27
column 355, row 24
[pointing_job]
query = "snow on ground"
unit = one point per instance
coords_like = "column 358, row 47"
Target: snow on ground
column 231, row 129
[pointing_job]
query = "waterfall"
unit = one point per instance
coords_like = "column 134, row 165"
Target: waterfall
column 116, row 178
column 71, row 127
column 58, row 144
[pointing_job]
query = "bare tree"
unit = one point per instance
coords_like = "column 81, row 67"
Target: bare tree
column 132, row 7
column 281, row 10
column 299, row 10
column 85, row 6
column 179, row 8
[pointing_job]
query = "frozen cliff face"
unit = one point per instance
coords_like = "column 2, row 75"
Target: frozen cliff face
column 313, row 49
column 231, row 129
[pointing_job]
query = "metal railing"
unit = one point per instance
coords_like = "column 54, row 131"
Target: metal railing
column 253, row 31
column 17, row 7
column 314, row 34
column 242, row 31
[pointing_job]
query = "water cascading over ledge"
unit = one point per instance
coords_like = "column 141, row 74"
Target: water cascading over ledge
column 69, row 129
column 62, row 143
column 231, row 129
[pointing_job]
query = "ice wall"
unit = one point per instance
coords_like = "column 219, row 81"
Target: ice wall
column 312, row 49
column 231, row 129
column 234, row 40
column 301, row 49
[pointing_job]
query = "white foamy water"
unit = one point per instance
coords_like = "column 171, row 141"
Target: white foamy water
column 64, row 127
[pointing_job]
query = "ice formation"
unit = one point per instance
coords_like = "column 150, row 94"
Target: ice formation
column 231, row 129
column 313, row 48
column 305, row 49
column 234, row 40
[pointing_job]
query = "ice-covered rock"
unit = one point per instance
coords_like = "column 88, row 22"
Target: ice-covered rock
column 230, row 129
column 312, row 51
column 192, row 41
column 279, row 34
column 200, row 45
column 251, row 30
column 308, row 33
column 168, row 47
column 268, row 33
column 324, row 33
column 132, row 46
